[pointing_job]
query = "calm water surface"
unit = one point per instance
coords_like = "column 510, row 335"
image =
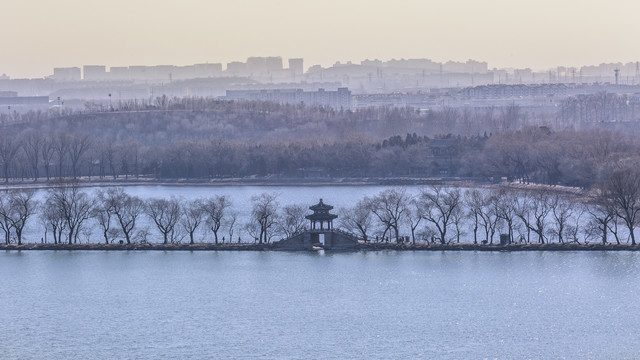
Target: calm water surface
column 385, row 305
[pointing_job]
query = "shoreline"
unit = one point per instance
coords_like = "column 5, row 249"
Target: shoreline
column 257, row 181
column 362, row 247
column 308, row 182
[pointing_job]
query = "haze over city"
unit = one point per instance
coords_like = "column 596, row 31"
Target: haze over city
column 40, row 35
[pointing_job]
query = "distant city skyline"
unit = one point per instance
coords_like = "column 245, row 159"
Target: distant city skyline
column 39, row 35
column 239, row 68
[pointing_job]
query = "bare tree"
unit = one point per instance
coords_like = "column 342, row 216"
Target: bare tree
column 103, row 212
column 78, row 146
column 232, row 218
column 52, row 218
column 439, row 205
column 574, row 226
column 457, row 220
column 193, row 212
column 506, row 202
column 165, row 214
column 61, row 148
column 126, row 208
column 489, row 217
column 522, row 208
column 623, row 187
column 414, row 217
column 22, row 207
column 9, row 147
column 109, row 154
column 603, row 213
column 47, row 150
column 74, row 206
column 357, row 219
column 562, row 211
column 540, row 206
column 32, row 144
column 5, row 217
column 292, row 219
column 253, row 228
column 214, row 210
column 475, row 200
column 389, row 207
column 265, row 214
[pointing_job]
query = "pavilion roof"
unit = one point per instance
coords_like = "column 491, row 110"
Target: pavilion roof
column 321, row 216
column 321, row 207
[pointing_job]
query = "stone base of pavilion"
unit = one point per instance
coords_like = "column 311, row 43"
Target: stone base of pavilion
column 318, row 239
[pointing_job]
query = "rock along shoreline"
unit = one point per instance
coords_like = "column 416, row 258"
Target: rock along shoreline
column 359, row 247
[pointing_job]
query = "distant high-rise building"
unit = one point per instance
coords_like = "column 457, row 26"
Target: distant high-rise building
column 296, row 67
column 184, row 72
column 264, row 65
column 66, row 74
column 94, row 72
column 140, row 72
column 274, row 64
column 256, row 65
column 207, row 70
column 163, row 72
column 119, row 73
column 237, row 68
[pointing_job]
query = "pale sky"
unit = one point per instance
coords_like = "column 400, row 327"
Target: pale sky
column 38, row 35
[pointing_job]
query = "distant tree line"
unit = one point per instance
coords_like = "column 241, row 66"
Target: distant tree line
column 70, row 215
column 581, row 110
column 204, row 139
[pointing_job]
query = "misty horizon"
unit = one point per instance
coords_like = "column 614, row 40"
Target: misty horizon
column 537, row 35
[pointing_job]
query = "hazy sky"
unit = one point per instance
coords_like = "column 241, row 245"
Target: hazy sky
column 37, row 35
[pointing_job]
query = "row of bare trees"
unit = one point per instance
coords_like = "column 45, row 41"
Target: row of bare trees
column 538, row 155
column 433, row 214
column 33, row 155
column 68, row 213
column 117, row 214
column 445, row 215
column 581, row 110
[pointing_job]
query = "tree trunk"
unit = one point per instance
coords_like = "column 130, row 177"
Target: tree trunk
column 475, row 234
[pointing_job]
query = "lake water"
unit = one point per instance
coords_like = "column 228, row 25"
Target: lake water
column 275, row 305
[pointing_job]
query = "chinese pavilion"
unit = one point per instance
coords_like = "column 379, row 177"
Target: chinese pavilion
column 321, row 215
